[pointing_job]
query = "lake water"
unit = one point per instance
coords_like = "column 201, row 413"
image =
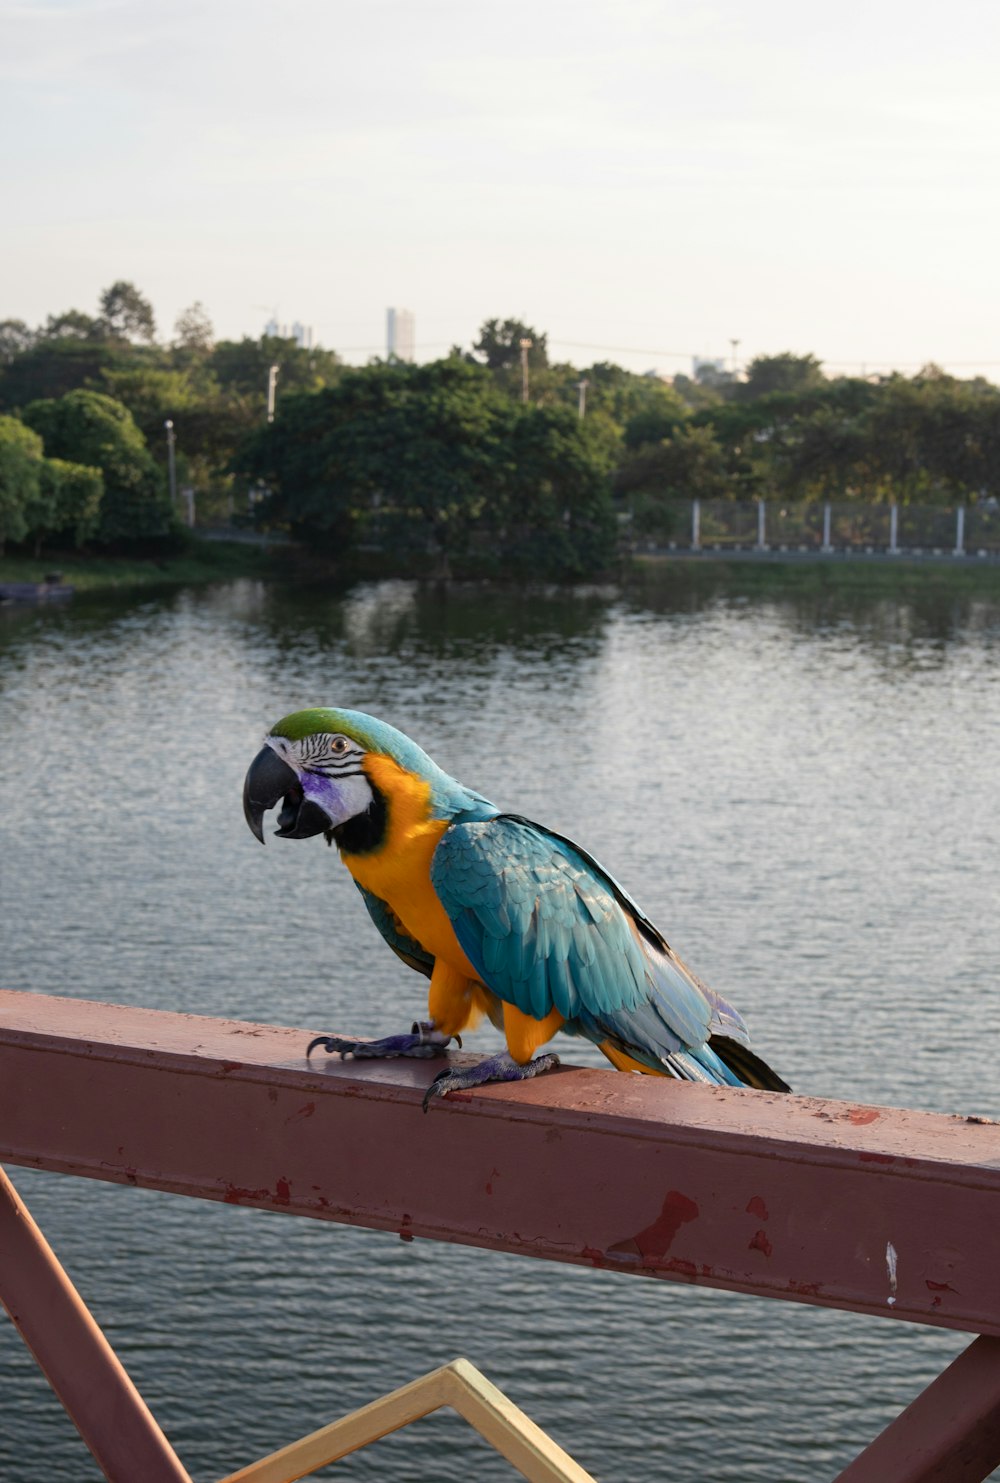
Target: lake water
column 801, row 791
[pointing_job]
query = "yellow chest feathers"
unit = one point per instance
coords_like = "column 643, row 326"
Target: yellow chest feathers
column 398, row 870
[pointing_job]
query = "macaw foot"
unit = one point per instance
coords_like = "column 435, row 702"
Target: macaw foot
column 497, row 1068
column 423, row 1040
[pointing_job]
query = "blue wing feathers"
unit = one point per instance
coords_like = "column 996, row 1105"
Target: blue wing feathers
column 584, row 951
column 539, row 998
column 725, row 1019
column 720, row 1072
column 547, row 927
column 562, row 988
column 495, row 920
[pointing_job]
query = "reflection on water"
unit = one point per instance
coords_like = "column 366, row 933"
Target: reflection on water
column 799, row 786
column 911, row 605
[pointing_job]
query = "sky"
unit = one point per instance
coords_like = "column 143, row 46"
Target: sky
column 642, row 180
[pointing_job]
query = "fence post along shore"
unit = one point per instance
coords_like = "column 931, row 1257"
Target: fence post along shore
column 769, row 528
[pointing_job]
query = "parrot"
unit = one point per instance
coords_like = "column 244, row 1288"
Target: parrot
column 505, row 917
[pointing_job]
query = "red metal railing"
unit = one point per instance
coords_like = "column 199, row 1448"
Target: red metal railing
column 77, row 1359
column 873, row 1209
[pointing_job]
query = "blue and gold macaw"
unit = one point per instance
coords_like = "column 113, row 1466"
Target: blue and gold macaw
column 505, row 917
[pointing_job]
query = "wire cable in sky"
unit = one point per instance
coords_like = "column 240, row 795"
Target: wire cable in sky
column 865, row 365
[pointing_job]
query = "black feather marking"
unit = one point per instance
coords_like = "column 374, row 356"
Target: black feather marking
column 365, row 832
column 748, row 1067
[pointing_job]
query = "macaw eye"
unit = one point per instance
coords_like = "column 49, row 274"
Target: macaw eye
column 339, row 745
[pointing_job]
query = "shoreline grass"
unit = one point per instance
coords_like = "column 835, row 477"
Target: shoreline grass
column 203, row 561
column 863, row 574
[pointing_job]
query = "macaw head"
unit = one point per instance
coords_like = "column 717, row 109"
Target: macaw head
column 328, row 767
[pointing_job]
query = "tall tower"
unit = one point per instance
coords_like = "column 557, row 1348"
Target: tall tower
column 399, row 328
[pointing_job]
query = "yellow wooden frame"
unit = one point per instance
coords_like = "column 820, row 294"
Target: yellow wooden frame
column 459, row 1385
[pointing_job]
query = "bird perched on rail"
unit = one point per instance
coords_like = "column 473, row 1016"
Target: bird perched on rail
column 505, row 917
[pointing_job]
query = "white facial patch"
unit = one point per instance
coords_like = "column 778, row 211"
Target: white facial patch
column 340, row 798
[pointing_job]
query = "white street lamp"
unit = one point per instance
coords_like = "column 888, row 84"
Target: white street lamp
column 171, row 464
column 525, row 347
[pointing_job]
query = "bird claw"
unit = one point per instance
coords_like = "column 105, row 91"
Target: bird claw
column 424, row 1040
column 502, row 1067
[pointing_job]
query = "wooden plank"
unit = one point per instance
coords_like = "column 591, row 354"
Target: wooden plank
column 459, row 1385
column 874, row 1209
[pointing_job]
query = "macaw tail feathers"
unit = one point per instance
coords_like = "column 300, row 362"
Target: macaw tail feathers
column 751, row 1070
column 720, row 1062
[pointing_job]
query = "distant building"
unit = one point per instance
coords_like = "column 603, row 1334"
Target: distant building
column 399, row 334
column 302, row 334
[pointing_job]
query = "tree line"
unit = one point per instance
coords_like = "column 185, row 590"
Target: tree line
column 481, row 456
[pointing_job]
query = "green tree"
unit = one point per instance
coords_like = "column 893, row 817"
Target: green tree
column 781, row 373
column 821, row 457
column 756, row 436
column 39, row 496
column 193, row 329
column 241, row 368
column 151, row 395
column 73, row 324
column 125, row 314
column 86, row 427
column 20, row 477
column 51, row 368
column 499, row 346
column 410, row 443
column 660, row 414
column 697, row 394
column 438, row 461
column 72, row 495
column 208, row 424
column 638, row 404
column 689, row 465
column 15, row 339
column 552, row 514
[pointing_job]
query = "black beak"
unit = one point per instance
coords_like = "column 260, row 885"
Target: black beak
column 270, row 779
column 267, row 780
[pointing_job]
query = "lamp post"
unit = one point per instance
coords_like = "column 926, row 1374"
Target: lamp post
column 525, row 347
column 171, row 463
column 272, row 381
column 736, row 345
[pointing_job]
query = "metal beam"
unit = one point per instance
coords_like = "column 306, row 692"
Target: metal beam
column 868, row 1208
column 76, row 1358
column 949, row 1434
